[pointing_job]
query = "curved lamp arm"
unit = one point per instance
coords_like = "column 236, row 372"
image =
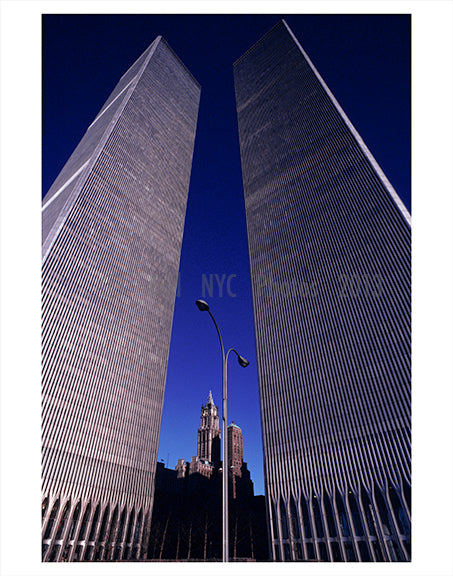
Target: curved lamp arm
column 242, row 361
column 204, row 307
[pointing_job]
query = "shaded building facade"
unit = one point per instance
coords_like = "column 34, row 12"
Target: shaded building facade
column 112, row 226
column 330, row 248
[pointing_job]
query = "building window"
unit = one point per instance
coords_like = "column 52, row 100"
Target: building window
column 138, row 528
column 111, row 535
column 377, row 551
column 399, row 553
column 383, row 514
column 283, row 519
column 336, row 552
column 276, row 552
column 104, row 524
column 294, row 518
column 407, row 493
column 94, row 524
column 74, row 520
column 310, row 551
column 275, row 522
column 350, row 554
column 330, row 517
column 323, row 552
column 129, row 528
column 77, row 554
column 63, row 521
column 66, row 553
column 83, row 527
column 119, row 538
column 44, row 505
column 286, row 552
column 298, row 551
column 392, row 553
column 305, row 518
column 367, row 506
column 144, row 551
column 344, row 525
column 407, row 546
column 364, row 552
column 51, row 521
column 400, row 514
column 54, row 553
column 44, row 549
column 317, row 516
column 358, row 527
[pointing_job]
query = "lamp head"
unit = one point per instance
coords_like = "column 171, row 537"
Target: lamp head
column 242, row 361
column 202, row 305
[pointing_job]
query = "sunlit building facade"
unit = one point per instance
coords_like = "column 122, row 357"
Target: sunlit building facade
column 330, row 249
column 112, row 232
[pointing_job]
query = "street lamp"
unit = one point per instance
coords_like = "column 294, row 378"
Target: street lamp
column 204, row 307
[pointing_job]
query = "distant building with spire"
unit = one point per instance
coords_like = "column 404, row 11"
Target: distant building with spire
column 207, row 460
column 208, row 445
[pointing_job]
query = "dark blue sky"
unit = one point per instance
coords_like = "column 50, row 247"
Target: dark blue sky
column 365, row 61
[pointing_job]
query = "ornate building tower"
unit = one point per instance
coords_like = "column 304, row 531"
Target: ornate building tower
column 112, row 228
column 208, row 446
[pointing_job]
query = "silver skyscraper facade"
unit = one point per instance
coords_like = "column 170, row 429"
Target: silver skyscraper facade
column 112, row 232
column 330, row 248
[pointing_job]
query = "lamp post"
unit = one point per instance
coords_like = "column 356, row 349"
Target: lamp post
column 204, row 307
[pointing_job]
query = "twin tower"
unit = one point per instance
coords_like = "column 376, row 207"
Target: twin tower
column 335, row 400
